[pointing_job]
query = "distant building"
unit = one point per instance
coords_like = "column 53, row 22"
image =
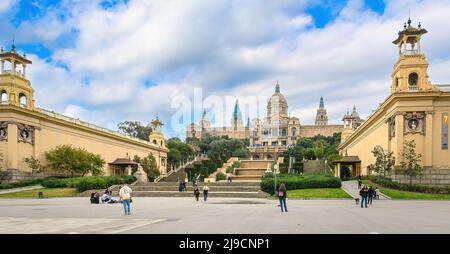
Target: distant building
column 269, row 137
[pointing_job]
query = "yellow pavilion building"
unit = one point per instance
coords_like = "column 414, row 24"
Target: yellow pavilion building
column 26, row 130
column 415, row 110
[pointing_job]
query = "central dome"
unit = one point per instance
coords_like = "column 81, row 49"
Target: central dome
column 277, row 104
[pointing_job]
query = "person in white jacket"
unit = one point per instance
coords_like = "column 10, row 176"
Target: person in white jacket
column 125, row 196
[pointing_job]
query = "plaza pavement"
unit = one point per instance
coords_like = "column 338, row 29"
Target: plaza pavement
column 222, row 215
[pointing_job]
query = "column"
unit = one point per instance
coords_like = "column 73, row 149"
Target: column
column 129, row 170
column 13, row 157
column 428, row 139
column 399, row 126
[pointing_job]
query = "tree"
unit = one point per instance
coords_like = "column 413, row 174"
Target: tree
column 135, row 129
column 65, row 158
column 149, row 166
column 34, row 164
column 384, row 160
column 410, row 162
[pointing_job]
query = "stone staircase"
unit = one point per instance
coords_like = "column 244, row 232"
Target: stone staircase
column 170, row 189
column 180, row 174
column 216, row 189
column 251, row 170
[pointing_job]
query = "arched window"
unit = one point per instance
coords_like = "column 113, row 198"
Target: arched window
column 294, row 132
column 412, row 79
column 161, row 143
column 22, row 100
column 283, row 132
column 154, row 142
column 4, row 96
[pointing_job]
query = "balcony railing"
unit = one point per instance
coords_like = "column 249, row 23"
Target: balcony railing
column 413, row 88
column 20, row 74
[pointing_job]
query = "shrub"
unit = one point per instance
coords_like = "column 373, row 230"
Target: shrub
column 297, row 181
column 388, row 183
column 88, row 182
column 21, row 184
column 220, row 176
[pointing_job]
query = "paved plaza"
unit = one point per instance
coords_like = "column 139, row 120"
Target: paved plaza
column 222, row 215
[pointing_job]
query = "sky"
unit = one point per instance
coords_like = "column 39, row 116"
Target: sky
column 106, row 62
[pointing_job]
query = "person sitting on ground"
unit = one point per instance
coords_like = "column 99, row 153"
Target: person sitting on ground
column 376, row 193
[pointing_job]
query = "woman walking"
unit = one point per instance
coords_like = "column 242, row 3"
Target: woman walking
column 196, row 192
column 282, row 195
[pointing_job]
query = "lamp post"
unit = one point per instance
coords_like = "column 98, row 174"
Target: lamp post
column 275, row 167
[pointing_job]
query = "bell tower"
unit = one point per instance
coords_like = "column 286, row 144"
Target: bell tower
column 15, row 88
column 410, row 72
column 157, row 136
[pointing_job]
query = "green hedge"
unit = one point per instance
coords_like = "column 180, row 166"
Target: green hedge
column 221, row 176
column 88, row 182
column 297, row 181
column 388, row 183
column 21, row 184
column 204, row 168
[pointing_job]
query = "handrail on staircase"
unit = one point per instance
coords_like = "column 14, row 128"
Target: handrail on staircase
column 197, row 158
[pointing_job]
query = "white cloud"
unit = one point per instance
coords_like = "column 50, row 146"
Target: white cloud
column 128, row 63
column 6, row 5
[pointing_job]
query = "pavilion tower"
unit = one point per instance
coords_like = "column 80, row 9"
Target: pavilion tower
column 15, row 88
column 157, row 136
column 410, row 72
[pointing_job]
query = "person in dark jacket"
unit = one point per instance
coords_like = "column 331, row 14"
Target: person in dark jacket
column 196, row 192
column 364, row 192
column 370, row 195
column 282, row 195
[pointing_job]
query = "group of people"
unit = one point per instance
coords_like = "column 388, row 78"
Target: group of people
column 367, row 193
column 182, row 185
column 107, row 197
column 197, row 192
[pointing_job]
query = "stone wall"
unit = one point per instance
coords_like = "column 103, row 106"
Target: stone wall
column 11, row 176
column 436, row 177
column 314, row 166
column 307, row 131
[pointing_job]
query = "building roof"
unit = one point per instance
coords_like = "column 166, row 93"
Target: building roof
column 123, row 161
column 347, row 159
column 409, row 30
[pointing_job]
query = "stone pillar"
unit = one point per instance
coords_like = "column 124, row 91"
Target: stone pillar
column 13, row 146
column 129, row 170
column 399, row 126
column 429, row 139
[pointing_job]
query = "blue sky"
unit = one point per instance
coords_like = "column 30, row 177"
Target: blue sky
column 111, row 61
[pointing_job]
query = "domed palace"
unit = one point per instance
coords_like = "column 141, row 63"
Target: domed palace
column 271, row 136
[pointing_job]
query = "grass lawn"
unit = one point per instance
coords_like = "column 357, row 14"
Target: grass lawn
column 48, row 193
column 317, row 193
column 399, row 194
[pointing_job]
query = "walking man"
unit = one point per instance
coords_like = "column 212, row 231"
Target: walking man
column 364, row 192
column 282, row 195
column 205, row 192
column 125, row 196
